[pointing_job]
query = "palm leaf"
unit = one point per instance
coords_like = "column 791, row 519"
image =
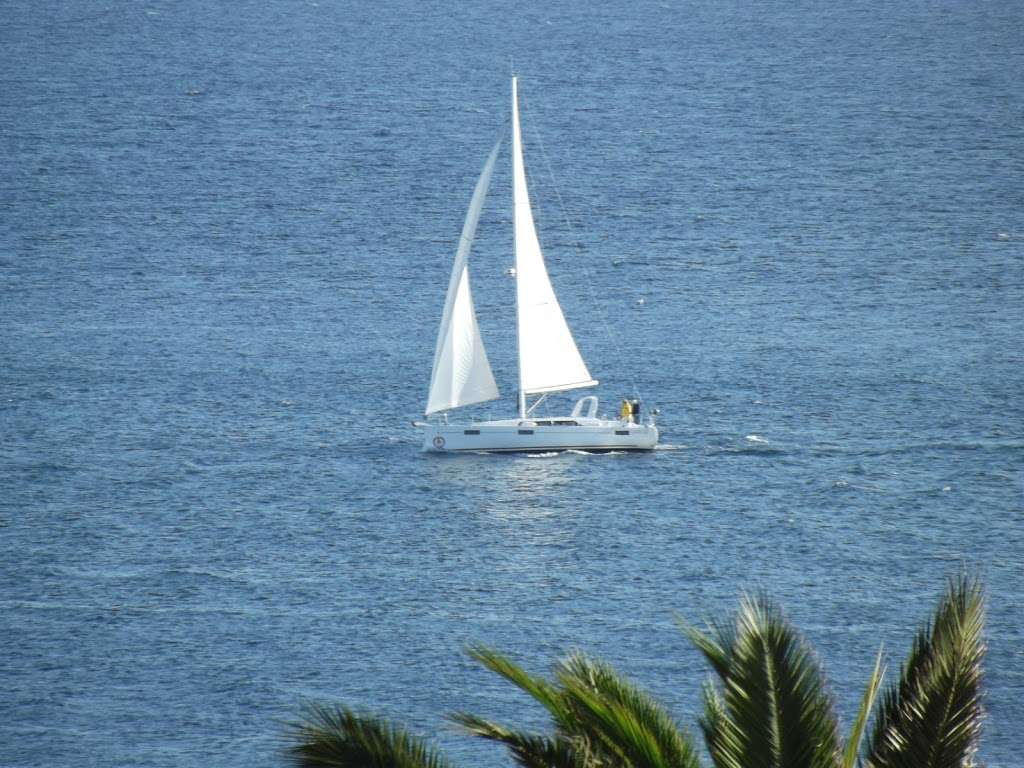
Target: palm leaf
column 601, row 720
column 931, row 717
column 528, row 750
column 773, row 711
column 712, row 722
column 539, row 688
column 341, row 738
column 716, row 644
column 565, row 749
column 861, row 721
column 619, row 721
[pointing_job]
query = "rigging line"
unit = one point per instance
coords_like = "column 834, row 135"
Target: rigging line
column 602, row 312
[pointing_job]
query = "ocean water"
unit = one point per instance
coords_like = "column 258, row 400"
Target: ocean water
column 225, row 230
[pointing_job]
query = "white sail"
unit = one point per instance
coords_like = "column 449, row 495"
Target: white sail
column 548, row 358
column 462, row 374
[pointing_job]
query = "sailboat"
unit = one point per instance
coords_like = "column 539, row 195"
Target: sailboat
column 549, row 360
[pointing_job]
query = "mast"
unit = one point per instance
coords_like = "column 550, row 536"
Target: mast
column 549, row 360
column 517, row 169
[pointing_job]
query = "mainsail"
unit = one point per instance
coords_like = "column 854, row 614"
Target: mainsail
column 549, row 360
column 462, row 374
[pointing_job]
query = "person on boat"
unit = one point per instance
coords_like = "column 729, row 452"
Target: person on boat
column 627, row 411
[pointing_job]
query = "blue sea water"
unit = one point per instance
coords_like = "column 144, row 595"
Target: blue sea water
column 796, row 228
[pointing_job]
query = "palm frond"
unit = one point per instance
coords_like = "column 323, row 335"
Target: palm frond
column 716, row 644
column 341, row 738
column 931, row 717
column 566, row 745
column 619, row 721
column 712, row 723
column 774, row 709
column 860, row 723
column 528, row 750
column 537, row 687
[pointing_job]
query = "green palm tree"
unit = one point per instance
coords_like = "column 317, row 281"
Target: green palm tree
column 931, row 716
column 769, row 709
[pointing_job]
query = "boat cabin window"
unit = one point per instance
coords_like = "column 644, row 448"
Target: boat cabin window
column 557, row 423
column 586, row 407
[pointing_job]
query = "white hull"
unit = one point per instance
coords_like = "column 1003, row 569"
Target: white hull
column 529, row 436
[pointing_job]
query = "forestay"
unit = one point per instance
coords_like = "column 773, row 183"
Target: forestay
column 549, row 360
column 462, row 374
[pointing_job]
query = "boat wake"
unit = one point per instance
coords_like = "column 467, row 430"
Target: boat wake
column 749, row 449
column 575, row 452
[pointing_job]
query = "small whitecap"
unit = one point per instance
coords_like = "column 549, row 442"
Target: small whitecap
column 545, row 455
column 947, row 488
column 641, row 300
column 755, row 439
column 1004, row 235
